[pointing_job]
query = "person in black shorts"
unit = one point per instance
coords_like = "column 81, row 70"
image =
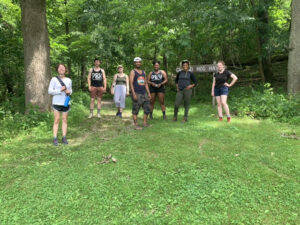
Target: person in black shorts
column 60, row 87
column 140, row 92
column 220, row 88
column 156, row 80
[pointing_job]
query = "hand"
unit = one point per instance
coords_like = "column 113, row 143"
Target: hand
column 212, row 94
column 149, row 96
column 90, row 89
column 159, row 85
column 227, row 85
column 134, row 97
column 189, row 87
column 127, row 93
column 104, row 90
column 68, row 92
column 63, row 88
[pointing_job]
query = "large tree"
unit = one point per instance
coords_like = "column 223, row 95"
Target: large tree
column 294, row 51
column 36, row 53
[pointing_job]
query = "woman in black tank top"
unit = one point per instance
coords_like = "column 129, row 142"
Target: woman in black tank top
column 156, row 80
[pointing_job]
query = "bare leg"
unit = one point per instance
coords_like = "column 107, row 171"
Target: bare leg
column 56, row 123
column 161, row 98
column 153, row 98
column 64, row 123
column 92, row 104
column 220, row 110
column 224, row 104
column 98, row 103
column 145, row 119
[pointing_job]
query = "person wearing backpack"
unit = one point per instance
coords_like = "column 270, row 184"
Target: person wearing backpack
column 60, row 88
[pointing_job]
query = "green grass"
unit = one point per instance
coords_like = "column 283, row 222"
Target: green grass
column 202, row 172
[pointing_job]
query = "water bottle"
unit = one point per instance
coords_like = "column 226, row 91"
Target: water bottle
column 67, row 101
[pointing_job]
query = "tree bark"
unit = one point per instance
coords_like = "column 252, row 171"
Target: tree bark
column 294, row 51
column 36, row 53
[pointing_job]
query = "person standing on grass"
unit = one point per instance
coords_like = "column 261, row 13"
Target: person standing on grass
column 140, row 92
column 220, row 88
column 185, row 82
column 59, row 88
column 97, row 86
column 156, row 80
column 120, row 89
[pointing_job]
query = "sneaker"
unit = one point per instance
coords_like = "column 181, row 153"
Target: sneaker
column 99, row 115
column 228, row 119
column 118, row 113
column 55, row 142
column 220, row 118
column 64, row 141
column 90, row 116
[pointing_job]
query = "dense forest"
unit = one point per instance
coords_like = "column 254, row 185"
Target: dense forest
column 241, row 32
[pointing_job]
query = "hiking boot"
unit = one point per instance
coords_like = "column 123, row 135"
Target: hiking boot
column 99, row 115
column 64, row 141
column 118, row 113
column 90, row 116
column 220, row 118
column 228, row 119
column 55, row 142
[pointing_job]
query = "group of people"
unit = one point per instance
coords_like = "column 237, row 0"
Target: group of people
column 144, row 91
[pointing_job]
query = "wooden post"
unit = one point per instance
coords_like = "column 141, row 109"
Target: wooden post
column 214, row 97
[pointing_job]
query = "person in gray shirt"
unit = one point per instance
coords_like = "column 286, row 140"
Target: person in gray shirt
column 185, row 82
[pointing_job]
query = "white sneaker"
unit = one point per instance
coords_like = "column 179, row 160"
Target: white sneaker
column 99, row 115
column 90, row 116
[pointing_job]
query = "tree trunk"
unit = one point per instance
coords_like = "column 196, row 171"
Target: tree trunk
column 294, row 51
column 83, row 73
column 36, row 53
column 262, row 28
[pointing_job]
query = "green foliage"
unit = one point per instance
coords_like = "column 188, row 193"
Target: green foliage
column 265, row 103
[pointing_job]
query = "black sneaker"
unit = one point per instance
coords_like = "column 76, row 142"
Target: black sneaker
column 55, row 142
column 64, row 141
column 118, row 113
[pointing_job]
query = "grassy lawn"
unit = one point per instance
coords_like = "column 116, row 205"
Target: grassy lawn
column 202, row 172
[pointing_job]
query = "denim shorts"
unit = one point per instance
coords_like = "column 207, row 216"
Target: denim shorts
column 221, row 91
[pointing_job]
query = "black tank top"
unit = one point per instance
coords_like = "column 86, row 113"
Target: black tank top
column 139, row 82
column 97, row 78
column 157, row 78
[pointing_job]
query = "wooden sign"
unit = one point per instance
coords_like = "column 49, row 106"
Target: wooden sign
column 208, row 68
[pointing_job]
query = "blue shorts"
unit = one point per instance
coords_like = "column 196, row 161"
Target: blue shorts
column 221, row 91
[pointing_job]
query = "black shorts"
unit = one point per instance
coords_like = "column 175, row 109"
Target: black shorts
column 61, row 108
column 157, row 90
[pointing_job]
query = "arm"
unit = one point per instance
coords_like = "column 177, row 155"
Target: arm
column 213, row 87
column 148, row 79
column 131, row 77
column 234, row 79
column 89, row 78
column 52, row 90
column 147, row 89
column 69, row 90
column 112, row 90
column 127, row 85
column 165, row 78
column 104, row 81
column 176, row 81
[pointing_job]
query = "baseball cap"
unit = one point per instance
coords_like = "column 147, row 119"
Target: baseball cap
column 137, row 59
